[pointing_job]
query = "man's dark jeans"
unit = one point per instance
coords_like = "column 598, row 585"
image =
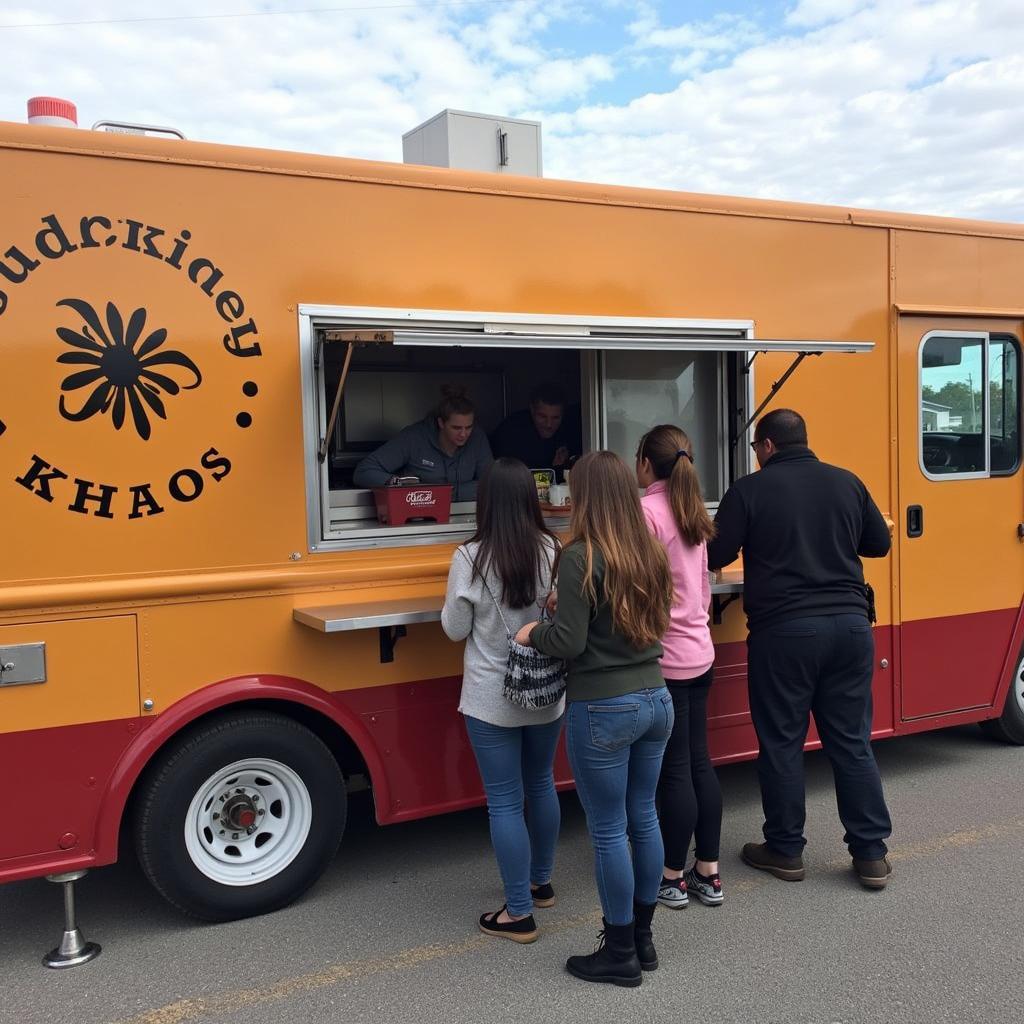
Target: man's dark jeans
column 822, row 664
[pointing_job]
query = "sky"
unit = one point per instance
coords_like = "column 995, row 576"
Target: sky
column 910, row 105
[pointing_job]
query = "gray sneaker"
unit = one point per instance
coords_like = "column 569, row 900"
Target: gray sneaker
column 672, row 893
column 707, row 890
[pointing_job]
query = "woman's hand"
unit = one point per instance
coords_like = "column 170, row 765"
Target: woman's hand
column 551, row 604
column 523, row 636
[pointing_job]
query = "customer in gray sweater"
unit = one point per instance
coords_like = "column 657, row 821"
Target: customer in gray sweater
column 470, row 614
column 497, row 583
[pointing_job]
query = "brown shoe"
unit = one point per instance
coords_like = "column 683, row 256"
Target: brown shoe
column 873, row 874
column 764, row 858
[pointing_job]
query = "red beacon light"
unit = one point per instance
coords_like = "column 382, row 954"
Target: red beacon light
column 49, row 110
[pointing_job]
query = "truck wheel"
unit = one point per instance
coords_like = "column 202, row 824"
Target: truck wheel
column 1009, row 726
column 239, row 816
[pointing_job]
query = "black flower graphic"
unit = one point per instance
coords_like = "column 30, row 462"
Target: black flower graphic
column 122, row 368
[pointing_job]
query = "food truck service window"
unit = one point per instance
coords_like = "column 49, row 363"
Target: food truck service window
column 378, row 471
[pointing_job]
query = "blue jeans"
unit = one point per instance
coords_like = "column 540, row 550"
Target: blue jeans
column 516, row 763
column 615, row 749
column 821, row 664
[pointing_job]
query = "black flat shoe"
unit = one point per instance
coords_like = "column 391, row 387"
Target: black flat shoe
column 518, row 931
column 543, row 895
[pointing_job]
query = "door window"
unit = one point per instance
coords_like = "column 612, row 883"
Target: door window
column 969, row 405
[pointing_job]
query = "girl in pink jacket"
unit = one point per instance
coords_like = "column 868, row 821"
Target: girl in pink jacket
column 691, row 800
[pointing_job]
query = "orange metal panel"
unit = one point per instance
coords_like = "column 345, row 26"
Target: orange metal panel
column 91, row 674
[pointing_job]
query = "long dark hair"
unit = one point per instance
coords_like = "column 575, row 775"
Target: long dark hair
column 510, row 532
column 671, row 457
column 606, row 515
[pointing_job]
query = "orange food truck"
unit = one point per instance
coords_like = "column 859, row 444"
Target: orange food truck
column 208, row 637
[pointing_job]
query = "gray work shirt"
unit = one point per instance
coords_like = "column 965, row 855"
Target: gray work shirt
column 469, row 614
column 416, row 451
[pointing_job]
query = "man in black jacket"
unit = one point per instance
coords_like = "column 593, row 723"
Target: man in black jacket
column 542, row 436
column 803, row 526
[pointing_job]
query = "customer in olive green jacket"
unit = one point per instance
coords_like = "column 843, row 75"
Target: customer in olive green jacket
column 614, row 593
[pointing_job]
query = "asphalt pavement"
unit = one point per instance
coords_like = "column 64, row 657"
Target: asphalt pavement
column 389, row 934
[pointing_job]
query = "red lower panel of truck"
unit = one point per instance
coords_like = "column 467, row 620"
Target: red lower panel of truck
column 947, row 668
column 420, row 760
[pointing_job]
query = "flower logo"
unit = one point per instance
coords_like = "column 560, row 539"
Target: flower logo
column 120, row 367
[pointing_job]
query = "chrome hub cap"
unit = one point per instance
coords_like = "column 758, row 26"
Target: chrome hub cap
column 248, row 821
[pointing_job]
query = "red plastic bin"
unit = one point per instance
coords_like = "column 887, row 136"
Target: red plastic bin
column 396, row 506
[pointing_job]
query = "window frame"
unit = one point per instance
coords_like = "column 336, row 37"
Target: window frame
column 588, row 335
column 986, row 338
column 1007, row 336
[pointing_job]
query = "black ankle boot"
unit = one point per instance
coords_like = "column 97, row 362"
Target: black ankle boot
column 643, row 914
column 614, row 961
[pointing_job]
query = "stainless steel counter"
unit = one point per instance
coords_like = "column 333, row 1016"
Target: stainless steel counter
column 371, row 615
column 392, row 616
column 726, row 587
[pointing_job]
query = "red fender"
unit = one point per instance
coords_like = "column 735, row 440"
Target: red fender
column 1010, row 665
column 201, row 702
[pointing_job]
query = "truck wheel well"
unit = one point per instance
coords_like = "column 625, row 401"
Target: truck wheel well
column 338, row 742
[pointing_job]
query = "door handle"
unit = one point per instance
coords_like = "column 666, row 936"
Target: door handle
column 915, row 520
column 1020, row 531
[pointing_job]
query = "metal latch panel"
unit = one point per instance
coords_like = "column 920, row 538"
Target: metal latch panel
column 22, row 663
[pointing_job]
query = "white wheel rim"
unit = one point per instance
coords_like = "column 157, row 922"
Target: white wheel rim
column 225, row 847
column 1018, row 686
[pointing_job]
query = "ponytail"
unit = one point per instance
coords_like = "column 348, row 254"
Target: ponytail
column 671, row 457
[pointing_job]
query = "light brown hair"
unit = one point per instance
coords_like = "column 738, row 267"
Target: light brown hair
column 606, row 515
column 455, row 401
column 671, row 456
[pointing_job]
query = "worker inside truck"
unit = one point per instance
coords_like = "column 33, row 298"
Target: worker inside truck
column 443, row 448
column 546, row 434
column 388, row 419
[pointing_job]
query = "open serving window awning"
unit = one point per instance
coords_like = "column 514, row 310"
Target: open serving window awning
column 445, row 328
column 370, row 325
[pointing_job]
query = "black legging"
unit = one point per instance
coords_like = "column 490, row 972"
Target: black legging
column 688, row 790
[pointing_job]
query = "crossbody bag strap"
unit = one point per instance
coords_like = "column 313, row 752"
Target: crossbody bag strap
column 490, row 593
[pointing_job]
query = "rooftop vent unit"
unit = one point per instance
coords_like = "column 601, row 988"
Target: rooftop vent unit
column 475, row 142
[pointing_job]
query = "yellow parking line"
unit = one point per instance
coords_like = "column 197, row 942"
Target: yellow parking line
column 232, row 1002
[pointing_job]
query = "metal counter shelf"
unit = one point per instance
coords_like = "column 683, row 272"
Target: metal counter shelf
column 391, row 617
column 726, row 587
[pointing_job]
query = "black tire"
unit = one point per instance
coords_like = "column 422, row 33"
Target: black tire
column 186, row 768
column 1009, row 726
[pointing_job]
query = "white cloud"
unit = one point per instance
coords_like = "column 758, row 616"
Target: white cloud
column 910, row 104
column 850, row 113
column 722, row 33
column 817, row 12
